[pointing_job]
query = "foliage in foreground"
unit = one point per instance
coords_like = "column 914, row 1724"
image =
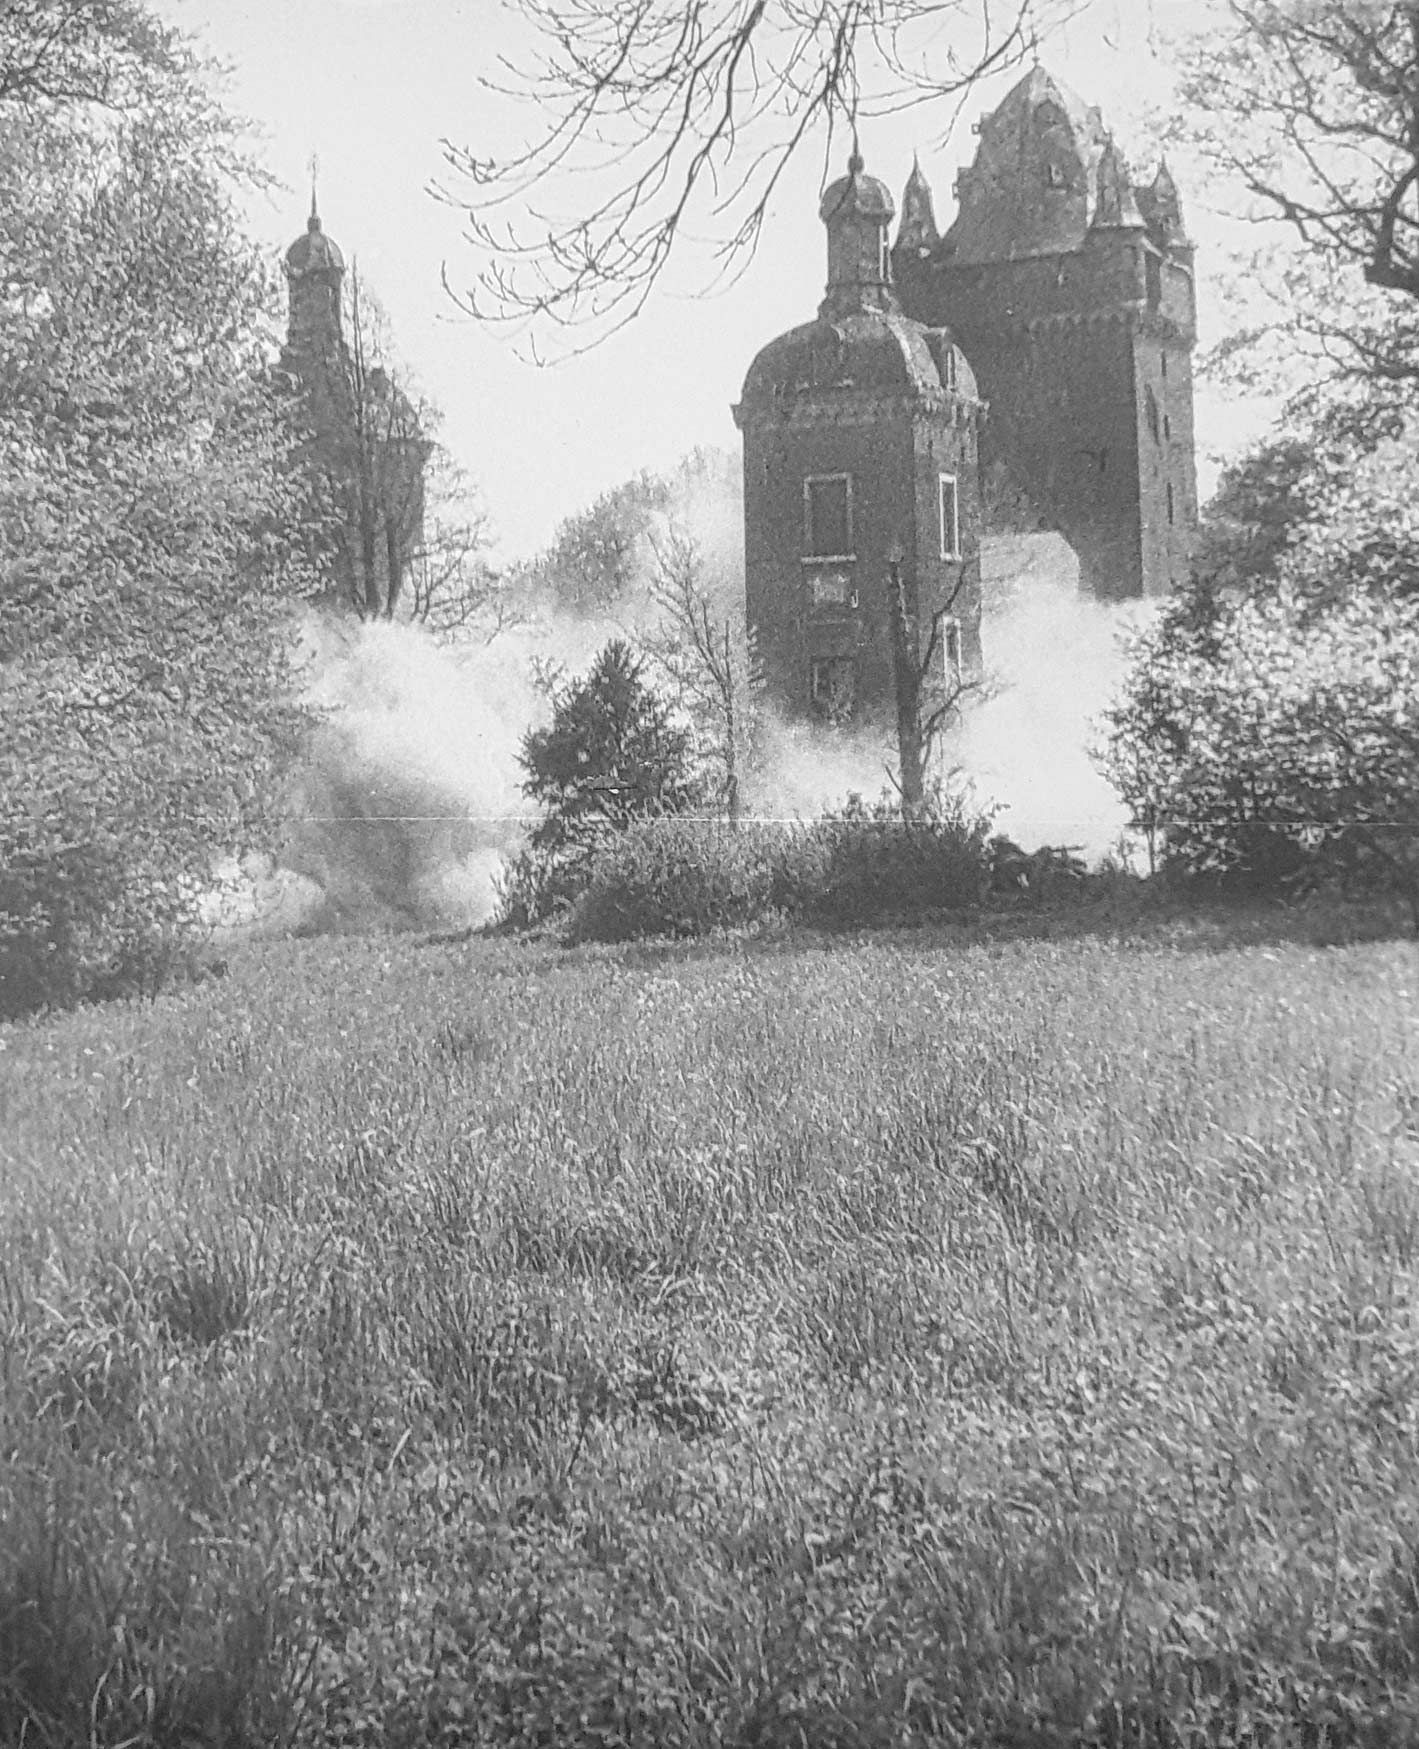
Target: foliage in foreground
column 912, row 1342
column 1268, row 731
column 145, row 660
column 860, row 867
column 611, row 756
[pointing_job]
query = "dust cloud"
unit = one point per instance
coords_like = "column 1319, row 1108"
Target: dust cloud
column 409, row 803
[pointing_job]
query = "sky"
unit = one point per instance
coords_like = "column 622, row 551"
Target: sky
column 370, row 88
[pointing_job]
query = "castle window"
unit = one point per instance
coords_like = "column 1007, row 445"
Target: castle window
column 951, row 650
column 884, row 256
column 950, row 517
column 832, row 687
column 1163, row 360
column 827, row 516
column 1054, row 175
column 1167, row 427
column 1170, row 505
column 1151, row 405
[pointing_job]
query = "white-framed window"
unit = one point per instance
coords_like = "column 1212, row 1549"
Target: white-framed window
column 949, row 498
column 884, row 256
column 951, row 650
column 827, row 516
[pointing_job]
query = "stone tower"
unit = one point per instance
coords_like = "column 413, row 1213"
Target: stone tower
column 860, row 463
column 315, row 272
column 363, row 439
column 1071, row 291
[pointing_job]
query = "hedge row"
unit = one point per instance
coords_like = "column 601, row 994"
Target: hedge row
column 676, row 877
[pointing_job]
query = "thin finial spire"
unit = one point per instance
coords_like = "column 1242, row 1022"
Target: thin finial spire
column 314, row 167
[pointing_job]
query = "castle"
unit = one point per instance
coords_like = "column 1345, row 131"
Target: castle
column 364, row 439
column 1030, row 368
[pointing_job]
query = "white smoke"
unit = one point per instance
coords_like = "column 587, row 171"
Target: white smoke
column 1055, row 658
column 411, row 802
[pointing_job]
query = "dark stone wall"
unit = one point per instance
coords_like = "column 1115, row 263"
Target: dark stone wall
column 1065, row 349
column 894, row 449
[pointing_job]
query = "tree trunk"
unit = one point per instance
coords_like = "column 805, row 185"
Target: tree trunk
column 907, row 680
column 731, row 738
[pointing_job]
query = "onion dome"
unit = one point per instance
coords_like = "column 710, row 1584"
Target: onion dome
column 857, row 196
column 314, row 252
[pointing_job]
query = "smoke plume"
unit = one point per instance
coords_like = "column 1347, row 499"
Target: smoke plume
column 410, row 800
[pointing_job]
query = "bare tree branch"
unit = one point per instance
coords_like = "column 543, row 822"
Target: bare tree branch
column 663, row 116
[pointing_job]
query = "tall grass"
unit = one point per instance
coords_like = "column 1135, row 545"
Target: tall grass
column 889, row 1341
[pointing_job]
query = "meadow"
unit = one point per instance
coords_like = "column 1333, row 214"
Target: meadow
column 923, row 1337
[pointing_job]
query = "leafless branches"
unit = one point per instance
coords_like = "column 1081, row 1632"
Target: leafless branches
column 706, row 655
column 930, row 682
column 664, row 118
column 1314, row 108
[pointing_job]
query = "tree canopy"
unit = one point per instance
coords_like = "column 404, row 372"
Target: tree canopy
column 146, row 581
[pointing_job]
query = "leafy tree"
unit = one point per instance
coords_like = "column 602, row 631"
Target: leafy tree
column 146, row 585
column 661, row 118
column 610, row 755
column 599, row 555
column 1272, row 734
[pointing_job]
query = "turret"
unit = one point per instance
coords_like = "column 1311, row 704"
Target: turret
column 857, row 210
column 315, row 269
column 917, row 235
column 1115, row 205
column 1161, row 206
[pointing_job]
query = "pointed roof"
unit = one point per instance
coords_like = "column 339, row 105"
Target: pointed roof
column 918, row 227
column 1031, row 189
column 1161, row 205
column 1116, row 205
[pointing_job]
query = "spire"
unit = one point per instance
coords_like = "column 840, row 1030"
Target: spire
column 1116, row 208
column 917, row 233
column 314, row 271
column 313, row 222
column 1166, row 216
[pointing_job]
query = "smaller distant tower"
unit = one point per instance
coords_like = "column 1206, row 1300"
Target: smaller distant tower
column 362, row 437
column 860, row 432
column 315, row 271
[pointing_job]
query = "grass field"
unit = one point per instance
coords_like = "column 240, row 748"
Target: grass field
column 919, row 1338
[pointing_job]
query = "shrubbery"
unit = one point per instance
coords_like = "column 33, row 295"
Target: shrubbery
column 862, row 866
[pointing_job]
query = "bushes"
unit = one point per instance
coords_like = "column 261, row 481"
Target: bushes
column 863, row 866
